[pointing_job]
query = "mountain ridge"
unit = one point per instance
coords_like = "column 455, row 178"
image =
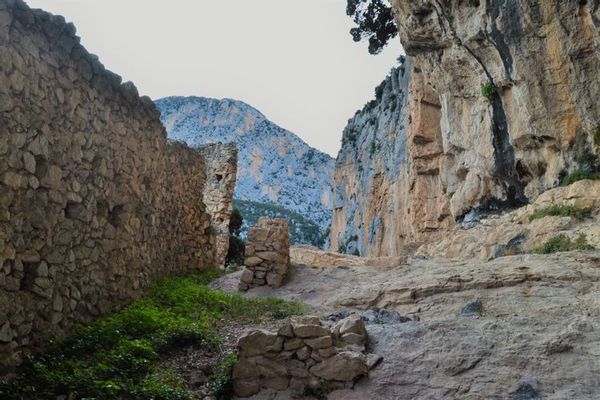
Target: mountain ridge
column 275, row 165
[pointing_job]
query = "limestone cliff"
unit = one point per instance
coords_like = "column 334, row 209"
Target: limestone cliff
column 275, row 166
column 541, row 57
column 499, row 108
column 387, row 190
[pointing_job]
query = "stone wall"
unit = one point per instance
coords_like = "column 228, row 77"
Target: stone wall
column 221, row 172
column 94, row 203
column 303, row 355
column 267, row 255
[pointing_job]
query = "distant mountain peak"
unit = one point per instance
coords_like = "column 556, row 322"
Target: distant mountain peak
column 274, row 165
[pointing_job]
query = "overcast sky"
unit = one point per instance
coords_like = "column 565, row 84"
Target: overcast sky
column 293, row 60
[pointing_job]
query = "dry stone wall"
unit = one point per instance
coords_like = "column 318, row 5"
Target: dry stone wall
column 94, row 203
column 303, row 355
column 221, row 172
column 267, row 254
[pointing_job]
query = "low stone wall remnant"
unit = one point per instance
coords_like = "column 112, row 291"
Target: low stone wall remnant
column 302, row 355
column 267, row 254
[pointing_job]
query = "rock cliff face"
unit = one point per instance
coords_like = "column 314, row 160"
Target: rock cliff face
column 499, row 108
column 387, row 190
column 542, row 58
column 275, row 166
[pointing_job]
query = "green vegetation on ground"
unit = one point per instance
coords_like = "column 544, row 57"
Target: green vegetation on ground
column 562, row 211
column 119, row 356
column 563, row 243
column 302, row 230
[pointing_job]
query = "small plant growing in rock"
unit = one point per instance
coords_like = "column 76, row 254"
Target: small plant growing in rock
column 562, row 211
column 562, row 243
column 221, row 379
column 488, row 90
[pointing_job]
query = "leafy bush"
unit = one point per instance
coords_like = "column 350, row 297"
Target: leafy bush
column 563, row 243
column 237, row 247
column 374, row 21
column 579, row 175
column 562, row 211
column 235, row 222
column 488, row 90
column 118, row 356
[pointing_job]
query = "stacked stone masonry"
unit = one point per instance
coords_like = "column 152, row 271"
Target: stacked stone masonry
column 267, row 254
column 303, row 355
column 94, row 202
column 221, row 172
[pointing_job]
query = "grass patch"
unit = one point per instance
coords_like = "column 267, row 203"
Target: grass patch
column 562, row 211
column 579, row 175
column 563, row 243
column 117, row 357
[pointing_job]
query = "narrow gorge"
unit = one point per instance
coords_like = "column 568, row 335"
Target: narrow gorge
column 463, row 211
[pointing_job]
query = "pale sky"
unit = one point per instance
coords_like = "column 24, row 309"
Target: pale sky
column 293, row 60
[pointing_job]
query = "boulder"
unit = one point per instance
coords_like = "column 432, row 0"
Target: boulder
column 259, row 342
column 345, row 366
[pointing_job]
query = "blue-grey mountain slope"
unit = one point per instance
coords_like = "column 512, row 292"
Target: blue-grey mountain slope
column 274, row 165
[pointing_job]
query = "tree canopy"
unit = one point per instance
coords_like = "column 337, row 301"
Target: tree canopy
column 375, row 22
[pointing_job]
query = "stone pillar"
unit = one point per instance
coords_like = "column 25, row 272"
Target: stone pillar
column 267, row 254
column 221, row 174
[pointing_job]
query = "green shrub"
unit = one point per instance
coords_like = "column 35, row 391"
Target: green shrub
column 236, row 251
column 118, row 356
column 237, row 247
column 562, row 211
column 562, row 243
column 220, row 379
column 579, row 175
column 488, row 90
column 596, row 136
column 235, row 222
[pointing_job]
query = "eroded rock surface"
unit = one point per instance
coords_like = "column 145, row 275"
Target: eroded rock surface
column 517, row 231
column 538, row 330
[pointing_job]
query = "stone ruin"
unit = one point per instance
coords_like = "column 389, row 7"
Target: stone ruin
column 221, row 174
column 267, row 254
column 303, row 355
column 95, row 202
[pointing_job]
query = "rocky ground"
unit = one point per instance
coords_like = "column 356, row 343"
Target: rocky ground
column 518, row 327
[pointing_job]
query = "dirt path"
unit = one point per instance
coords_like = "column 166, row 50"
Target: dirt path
column 535, row 333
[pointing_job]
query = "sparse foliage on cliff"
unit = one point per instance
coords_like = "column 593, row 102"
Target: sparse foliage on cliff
column 488, row 90
column 375, row 23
